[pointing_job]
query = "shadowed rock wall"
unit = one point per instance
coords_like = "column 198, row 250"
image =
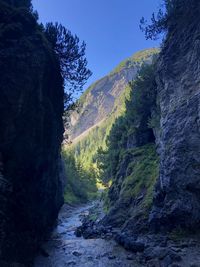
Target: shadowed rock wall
column 31, row 107
column 177, row 199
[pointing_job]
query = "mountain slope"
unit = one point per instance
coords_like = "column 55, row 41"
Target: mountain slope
column 101, row 105
column 99, row 99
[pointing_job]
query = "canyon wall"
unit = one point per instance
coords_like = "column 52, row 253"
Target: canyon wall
column 177, row 198
column 31, row 108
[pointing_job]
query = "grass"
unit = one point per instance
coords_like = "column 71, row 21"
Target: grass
column 106, row 201
column 143, row 172
column 70, row 198
column 180, row 233
column 136, row 60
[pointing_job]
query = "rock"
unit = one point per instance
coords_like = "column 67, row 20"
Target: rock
column 137, row 246
column 13, row 264
column 106, row 254
column 195, row 265
column 111, row 257
column 108, row 235
column 78, row 232
column 98, row 257
column 31, row 170
column 153, row 263
column 176, row 201
column 77, row 253
column 184, row 245
column 157, row 252
column 44, row 252
column 176, row 249
column 130, row 257
column 69, row 263
column 105, row 91
column 167, row 261
column 174, row 256
column 193, row 243
column 132, row 245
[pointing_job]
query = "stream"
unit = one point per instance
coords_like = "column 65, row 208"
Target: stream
column 65, row 249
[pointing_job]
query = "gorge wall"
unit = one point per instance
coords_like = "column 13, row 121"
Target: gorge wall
column 31, row 108
column 177, row 201
column 174, row 119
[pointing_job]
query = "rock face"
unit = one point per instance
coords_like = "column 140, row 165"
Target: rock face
column 177, row 199
column 31, row 107
column 98, row 101
column 131, row 158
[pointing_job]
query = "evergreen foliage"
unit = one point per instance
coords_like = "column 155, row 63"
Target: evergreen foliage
column 87, row 150
column 129, row 160
column 166, row 17
column 31, row 109
column 101, row 149
column 19, row 3
column 71, row 55
column 131, row 129
column 81, row 185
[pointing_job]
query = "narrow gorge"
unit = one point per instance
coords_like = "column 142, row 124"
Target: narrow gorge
column 112, row 179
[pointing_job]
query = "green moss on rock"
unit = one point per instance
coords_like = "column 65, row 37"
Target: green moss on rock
column 143, row 173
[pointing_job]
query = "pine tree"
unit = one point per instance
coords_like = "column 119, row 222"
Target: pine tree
column 19, row 3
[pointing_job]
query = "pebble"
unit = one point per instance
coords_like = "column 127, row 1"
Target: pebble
column 130, row 258
column 76, row 253
column 111, row 257
column 70, row 263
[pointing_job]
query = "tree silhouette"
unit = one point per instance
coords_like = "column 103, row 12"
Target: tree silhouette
column 71, row 56
column 19, row 3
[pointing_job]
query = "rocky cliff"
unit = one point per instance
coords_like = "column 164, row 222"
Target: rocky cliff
column 99, row 99
column 131, row 161
column 174, row 120
column 153, row 151
column 177, row 199
column 31, row 107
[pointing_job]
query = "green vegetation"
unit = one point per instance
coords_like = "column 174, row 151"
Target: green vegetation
column 136, row 60
column 81, row 158
column 131, row 129
column 35, row 64
column 19, row 3
column 81, row 183
column 142, row 174
column 129, row 159
column 71, row 55
column 170, row 13
column 120, row 151
column 86, row 149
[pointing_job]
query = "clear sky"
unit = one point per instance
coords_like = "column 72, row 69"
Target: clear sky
column 110, row 28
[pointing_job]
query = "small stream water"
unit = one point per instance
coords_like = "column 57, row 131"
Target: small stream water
column 65, row 249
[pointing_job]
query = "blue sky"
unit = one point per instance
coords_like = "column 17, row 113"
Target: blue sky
column 110, row 28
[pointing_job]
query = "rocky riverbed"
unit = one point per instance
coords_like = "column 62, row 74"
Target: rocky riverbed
column 81, row 240
column 66, row 249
